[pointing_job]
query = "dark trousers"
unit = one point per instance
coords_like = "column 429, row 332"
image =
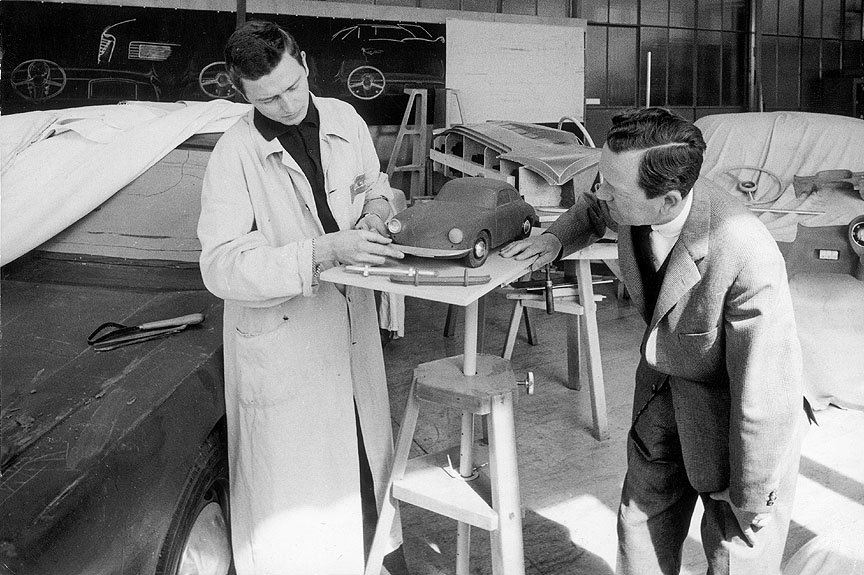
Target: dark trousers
column 657, row 503
column 394, row 561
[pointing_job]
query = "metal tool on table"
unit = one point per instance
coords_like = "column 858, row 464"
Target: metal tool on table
column 463, row 280
column 112, row 335
column 367, row 270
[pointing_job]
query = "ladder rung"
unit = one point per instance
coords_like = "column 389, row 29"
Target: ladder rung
column 407, row 168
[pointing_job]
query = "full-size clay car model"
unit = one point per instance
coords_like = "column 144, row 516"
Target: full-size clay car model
column 468, row 218
column 115, row 462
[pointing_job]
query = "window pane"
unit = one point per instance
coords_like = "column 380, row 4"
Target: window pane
column 734, row 69
column 710, row 14
column 769, row 73
column 735, row 15
column 622, row 67
column 853, row 55
column 622, row 12
column 832, row 18
column 680, row 68
column 654, row 13
column 708, row 68
column 653, row 41
column 769, row 16
column 790, row 17
column 682, row 13
column 810, row 82
column 830, row 56
column 853, row 26
column 787, row 73
column 813, row 18
column 595, row 63
column 595, row 10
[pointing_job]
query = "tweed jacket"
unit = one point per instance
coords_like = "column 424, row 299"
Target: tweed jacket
column 723, row 333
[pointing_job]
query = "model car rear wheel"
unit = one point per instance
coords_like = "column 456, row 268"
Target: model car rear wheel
column 198, row 540
column 479, row 251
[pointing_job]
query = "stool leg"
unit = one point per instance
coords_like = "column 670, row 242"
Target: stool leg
column 592, row 338
column 574, row 352
column 466, row 469
column 529, row 327
column 387, row 513
column 450, row 322
column 508, row 556
column 515, row 319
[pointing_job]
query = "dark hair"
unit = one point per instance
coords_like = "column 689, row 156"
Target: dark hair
column 673, row 148
column 255, row 49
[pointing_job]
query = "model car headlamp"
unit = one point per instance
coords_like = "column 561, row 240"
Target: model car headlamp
column 455, row 236
column 394, row 226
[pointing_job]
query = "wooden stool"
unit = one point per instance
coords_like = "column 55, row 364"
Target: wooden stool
column 566, row 301
column 431, row 482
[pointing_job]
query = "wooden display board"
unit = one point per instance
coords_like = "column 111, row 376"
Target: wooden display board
column 522, row 72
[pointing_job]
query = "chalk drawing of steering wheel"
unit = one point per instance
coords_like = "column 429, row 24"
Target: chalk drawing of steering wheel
column 366, row 82
column 215, row 81
column 38, row 80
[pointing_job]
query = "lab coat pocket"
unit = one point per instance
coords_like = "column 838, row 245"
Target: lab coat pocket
column 267, row 364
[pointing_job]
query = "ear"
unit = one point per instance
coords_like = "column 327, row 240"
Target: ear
column 303, row 61
column 672, row 201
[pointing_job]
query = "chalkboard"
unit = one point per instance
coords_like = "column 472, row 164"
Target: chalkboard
column 61, row 55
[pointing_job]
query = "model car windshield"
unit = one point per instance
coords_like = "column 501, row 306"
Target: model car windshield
column 478, row 198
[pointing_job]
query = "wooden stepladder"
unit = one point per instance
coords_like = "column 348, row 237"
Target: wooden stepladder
column 419, row 141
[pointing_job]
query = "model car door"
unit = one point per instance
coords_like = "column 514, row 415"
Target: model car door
column 506, row 216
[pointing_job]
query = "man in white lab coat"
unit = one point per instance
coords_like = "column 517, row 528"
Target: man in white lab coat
column 291, row 189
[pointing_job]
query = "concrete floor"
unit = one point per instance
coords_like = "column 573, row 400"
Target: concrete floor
column 570, row 483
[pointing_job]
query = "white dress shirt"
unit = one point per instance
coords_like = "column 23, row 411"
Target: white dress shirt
column 663, row 236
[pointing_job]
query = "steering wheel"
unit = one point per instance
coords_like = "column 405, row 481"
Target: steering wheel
column 215, row 81
column 758, row 186
column 366, row 82
column 38, row 80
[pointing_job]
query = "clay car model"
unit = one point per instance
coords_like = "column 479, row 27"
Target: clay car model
column 468, row 218
column 115, row 461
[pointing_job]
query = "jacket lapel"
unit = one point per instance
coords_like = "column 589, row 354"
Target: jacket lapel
column 630, row 268
column 682, row 272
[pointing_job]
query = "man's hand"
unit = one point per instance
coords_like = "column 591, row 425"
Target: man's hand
column 749, row 522
column 372, row 222
column 545, row 248
column 355, row 247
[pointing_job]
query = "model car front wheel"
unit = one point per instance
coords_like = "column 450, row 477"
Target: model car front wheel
column 479, row 250
column 198, row 540
column 525, row 231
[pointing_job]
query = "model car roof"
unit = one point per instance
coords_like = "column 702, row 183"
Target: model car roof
column 481, row 192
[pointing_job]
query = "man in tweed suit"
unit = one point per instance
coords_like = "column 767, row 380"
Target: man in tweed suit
column 717, row 411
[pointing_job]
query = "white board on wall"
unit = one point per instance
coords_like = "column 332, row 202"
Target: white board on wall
column 514, row 71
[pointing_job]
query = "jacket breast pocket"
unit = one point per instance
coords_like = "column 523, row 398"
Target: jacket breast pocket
column 703, row 351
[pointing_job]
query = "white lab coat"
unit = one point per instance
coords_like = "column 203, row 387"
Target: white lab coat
column 298, row 353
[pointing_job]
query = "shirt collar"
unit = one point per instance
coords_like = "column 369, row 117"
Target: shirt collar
column 673, row 228
column 271, row 129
